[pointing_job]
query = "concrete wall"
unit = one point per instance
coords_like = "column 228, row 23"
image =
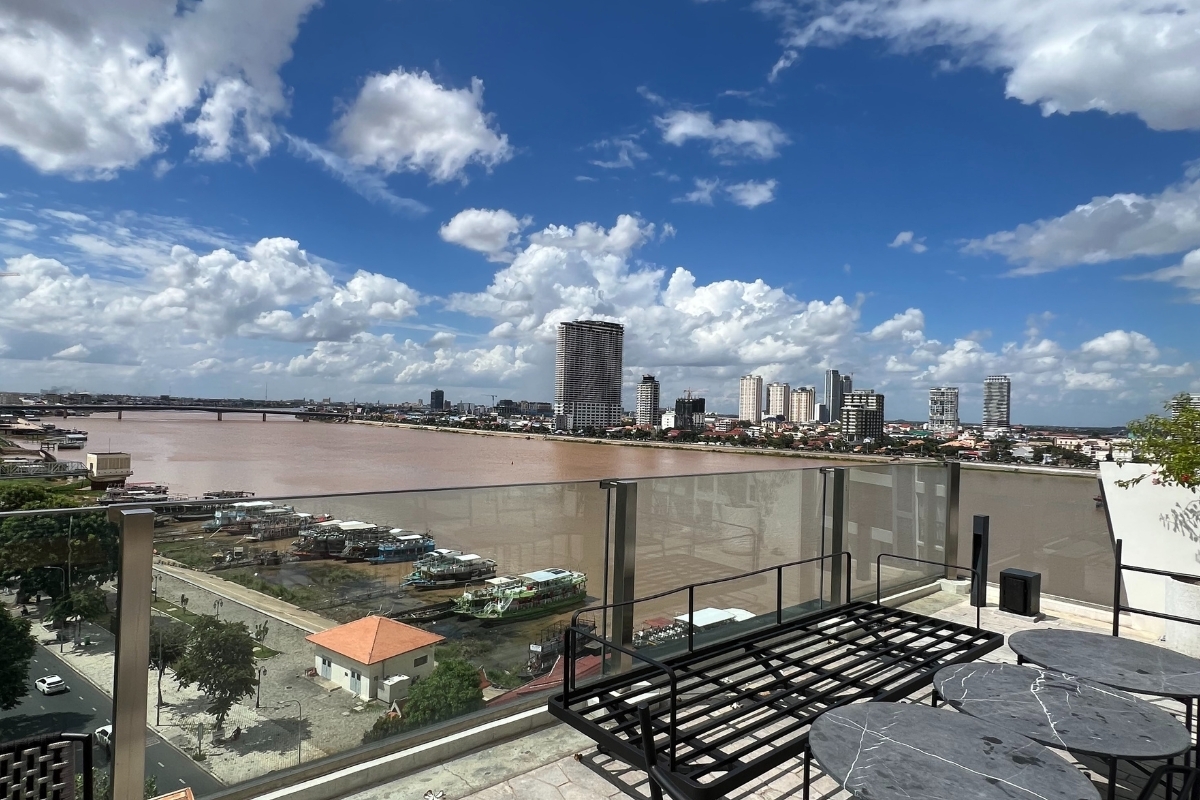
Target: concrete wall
column 1160, row 528
column 373, row 674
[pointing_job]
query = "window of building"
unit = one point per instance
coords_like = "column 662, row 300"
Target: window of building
column 420, row 661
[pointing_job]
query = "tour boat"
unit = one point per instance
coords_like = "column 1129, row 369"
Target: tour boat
column 401, row 546
column 443, row 569
column 528, row 594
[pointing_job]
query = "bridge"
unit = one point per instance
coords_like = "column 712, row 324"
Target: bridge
column 42, row 469
column 220, row 411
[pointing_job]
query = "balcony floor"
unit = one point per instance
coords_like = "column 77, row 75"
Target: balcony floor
column 560, row 764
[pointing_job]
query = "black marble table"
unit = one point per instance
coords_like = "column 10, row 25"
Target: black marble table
column 1121, row 663
column 894, row 751
column 1063, row 711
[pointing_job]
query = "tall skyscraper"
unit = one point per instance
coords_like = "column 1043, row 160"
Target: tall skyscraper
column 779, row 400
column 689, row 412
column 847, row 384
column 997, row 398
column 437, row 400
column 943, row 409
column 587, row 373
column 804, row 405
column 833, row 395
column 862, row 415
column 750, row 391
column 647, row 401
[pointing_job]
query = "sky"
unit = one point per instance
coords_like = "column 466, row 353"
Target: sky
column 289, row 198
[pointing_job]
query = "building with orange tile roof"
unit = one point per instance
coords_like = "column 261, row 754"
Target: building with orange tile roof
column 374, row 657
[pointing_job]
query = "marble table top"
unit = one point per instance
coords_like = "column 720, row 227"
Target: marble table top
column 1063, row 711
column 901, row 751
column 1122, row 663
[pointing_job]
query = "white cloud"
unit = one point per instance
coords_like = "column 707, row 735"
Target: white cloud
column 368, row 184
column 627, row 152
column 485, row 231
column 902, row 325
column 1185, row 275
column 76, row 352
column 752, row 194
column 730, row 138
column 407, row 122
column 18, row 228
column 1104, row 229
column 1116, row 56
column 906, row 239
column 702, row 194
column 91, row 88
column 1120, row 346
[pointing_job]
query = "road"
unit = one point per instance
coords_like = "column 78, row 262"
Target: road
column 86, row 708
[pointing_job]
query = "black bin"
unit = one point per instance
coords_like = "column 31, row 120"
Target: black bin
column 1021, row 592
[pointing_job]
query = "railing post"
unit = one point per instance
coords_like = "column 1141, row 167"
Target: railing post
column 133, row 651
column 953, row 486
column 838, row 582
column 624, row 560
column 979, row 559
column 1117, row 588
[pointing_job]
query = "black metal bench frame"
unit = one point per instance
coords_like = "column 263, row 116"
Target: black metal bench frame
column 708, row 705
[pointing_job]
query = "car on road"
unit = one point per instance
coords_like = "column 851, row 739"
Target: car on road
column 104, row 736
column 51, row 684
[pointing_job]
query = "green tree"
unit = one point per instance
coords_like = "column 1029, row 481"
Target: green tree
column 1172, row 443
column 452, row 689
column 386, row 725
column 85, row 603
column 86, row 542
column 220, row 661
column 168, row 644
column 17, row 647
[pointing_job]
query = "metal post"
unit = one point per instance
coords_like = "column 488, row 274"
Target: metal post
column 624, row 561
column 838, row 582
column 980, row 525
column 953, row 487
column 1117, row 588
column 133, row 652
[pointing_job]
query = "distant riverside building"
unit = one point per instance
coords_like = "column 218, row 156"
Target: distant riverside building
column 646, row 410
column 689, row 413
column 1180, row 402
column 750, row 390
column 587, row 373
column 862, row 415
column 779, row 400
column 833, row 395
column 437, row 400
column 997, row 397
column 803, row 405
column 943, row 409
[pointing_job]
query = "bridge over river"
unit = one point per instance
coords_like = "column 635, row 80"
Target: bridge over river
column 220, row 411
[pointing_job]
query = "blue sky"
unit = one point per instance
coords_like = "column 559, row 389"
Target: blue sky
column 373, row 199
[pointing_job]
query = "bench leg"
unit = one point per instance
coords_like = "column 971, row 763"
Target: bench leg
column 807, row 769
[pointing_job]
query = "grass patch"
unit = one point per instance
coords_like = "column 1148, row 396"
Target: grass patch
column 301, row 596
column 261, row 651
column 177, row 612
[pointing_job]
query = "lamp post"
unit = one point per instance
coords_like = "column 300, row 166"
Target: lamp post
column 299, row 726
column 61, row 643
column 258, row 692
column 154, row 591
column 217, row 605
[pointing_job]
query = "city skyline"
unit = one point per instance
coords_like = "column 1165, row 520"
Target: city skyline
column 380, row 199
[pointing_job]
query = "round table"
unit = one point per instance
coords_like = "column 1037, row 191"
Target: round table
column 1064, row 711
column 898, row 751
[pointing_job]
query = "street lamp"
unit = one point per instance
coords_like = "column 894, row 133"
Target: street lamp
column 61, row 642
column 217, row 605
column 154, row 590
column 258, row 693
column 299, row 726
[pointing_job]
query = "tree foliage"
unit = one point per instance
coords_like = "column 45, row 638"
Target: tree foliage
column 386, row 725
column 451, row 690
column 86, row 603
column 88, row 542
column 220, row 661
column 17, row 647
column 168, row 645
column 1171, row 442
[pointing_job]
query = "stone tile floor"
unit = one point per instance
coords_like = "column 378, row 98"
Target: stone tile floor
column 559, row 764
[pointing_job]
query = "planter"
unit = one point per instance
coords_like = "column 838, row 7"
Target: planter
column 1183, row 600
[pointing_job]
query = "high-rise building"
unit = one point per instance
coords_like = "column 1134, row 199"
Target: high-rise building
column 997, row 398
column 847, row 384
column 437, row 400
column 647, row 406
column 862, row 415
column 943, row 409
column 750, row 391
column 803, row 405
column 1182, row 401
column 779, row 400
column 587, row 373
column 689, row 412
column 833, row 396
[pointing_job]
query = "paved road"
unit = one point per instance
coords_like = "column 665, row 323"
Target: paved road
column 86, row 708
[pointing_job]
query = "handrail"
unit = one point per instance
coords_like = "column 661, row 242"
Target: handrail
column 879, row 578
column 1118, row 608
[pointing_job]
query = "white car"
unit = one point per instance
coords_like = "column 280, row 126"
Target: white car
column 51, row 684
column 104, row 736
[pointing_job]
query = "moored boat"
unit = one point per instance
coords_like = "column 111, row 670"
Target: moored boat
column 403, row 546
column 542, row 591
column 444, row 569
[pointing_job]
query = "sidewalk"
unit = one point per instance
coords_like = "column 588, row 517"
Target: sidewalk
column 270, row 606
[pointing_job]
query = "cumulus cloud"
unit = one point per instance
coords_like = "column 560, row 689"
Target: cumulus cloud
column 1116, row 56
column 752, row 194
column 76, row 352
column 626, row 151
column 702, row 194
column 485, row 231
column 91, row 88
column 907, row 325
column 407, row 122
column 906, row 239
column 1185, row 275
column 727, row 138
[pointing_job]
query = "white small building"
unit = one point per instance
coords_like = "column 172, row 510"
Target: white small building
column 109, row 468
column 374, row 657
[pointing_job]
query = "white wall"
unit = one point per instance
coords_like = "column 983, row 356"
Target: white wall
column 1159, row 527
column 373, row 675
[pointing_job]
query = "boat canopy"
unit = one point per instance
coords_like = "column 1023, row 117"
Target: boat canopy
column 355, row 525
column 253, row 504
column 467, row 557
column 542, row 575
